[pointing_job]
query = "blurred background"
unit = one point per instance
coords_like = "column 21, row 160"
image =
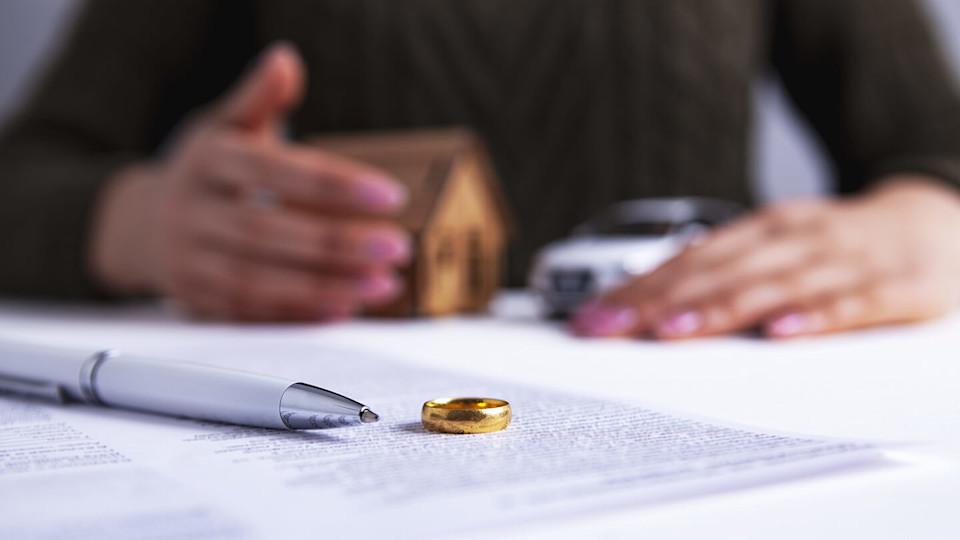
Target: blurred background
column 787, row 160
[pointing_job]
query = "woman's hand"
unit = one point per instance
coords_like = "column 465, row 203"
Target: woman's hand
column 237, row 223
column 801, row 268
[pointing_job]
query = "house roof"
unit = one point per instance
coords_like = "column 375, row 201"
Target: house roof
column 422, row 160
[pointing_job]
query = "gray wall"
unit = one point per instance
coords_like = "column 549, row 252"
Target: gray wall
column 28, row 30
column 788, row 161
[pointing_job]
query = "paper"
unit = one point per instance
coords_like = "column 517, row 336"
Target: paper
column 103, row 473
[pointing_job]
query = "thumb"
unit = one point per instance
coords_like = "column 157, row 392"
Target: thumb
column 267, row 91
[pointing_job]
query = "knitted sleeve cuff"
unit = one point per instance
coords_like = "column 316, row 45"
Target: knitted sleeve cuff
column 46, row 211
column 946, row 168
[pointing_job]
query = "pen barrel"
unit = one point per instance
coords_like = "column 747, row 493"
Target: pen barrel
column 190, row 390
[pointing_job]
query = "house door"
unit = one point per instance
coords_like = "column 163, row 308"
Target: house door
column 443, row 273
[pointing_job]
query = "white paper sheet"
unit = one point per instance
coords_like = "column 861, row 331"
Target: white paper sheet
column 85, row 472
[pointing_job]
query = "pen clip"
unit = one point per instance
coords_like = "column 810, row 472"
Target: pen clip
column 37, row 389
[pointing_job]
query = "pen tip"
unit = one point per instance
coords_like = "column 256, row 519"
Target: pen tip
column 368, row 417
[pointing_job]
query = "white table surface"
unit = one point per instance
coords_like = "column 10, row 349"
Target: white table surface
column 896, row 384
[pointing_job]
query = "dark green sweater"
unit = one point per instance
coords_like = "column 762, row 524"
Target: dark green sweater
column 582, row 102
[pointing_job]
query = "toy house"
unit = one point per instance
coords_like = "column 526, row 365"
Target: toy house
column 457, row 215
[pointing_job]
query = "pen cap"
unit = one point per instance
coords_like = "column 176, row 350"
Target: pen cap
column 40, row 364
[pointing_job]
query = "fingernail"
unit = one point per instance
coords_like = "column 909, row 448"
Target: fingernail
column 380, row 193
column 377, row 286
column 597, row 319
column 389, row 247
column 683, row 323
column 788, row 325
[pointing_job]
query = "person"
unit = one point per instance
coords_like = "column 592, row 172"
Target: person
column 158, row 156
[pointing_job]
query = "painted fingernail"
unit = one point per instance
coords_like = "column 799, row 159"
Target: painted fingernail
column 683, row 323
column 380, row 193
column 788, row 325
column 389, row 247
column 596, row 319
column 378, row 286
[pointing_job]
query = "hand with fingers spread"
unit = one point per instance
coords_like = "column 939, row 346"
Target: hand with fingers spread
column 801, row 268
column 237, row 223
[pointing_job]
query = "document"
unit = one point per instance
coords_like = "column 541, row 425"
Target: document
column 86, row 472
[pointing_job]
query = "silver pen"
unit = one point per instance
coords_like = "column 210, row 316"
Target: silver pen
column 174, row 388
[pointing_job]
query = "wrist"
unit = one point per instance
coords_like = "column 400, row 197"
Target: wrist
column 915, row 186
column 927, row 209
column 926, row 197
column 118, row 249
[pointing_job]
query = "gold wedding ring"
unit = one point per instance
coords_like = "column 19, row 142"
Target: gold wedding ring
column 465, row 415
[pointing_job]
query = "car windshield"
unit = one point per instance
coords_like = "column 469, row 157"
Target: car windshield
column 650, row 228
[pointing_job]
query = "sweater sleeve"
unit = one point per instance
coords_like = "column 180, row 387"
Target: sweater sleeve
column 123, row 78
column 869, row 77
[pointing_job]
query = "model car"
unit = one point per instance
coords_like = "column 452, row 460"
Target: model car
column 625, row 240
